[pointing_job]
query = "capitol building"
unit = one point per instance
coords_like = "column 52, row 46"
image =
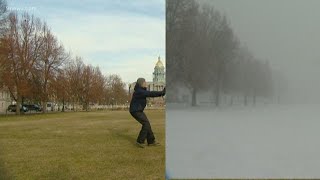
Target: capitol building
column 157, row 84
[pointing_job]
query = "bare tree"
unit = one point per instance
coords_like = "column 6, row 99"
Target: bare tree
column 52, row 57
column 74, row 72
column 203, row 53
column 3, row 17
column 23, row 42
column 93, row 86
column 3, row 28
column 98, row 86
column 199, row 44
column 117, row 93
column 60, row 86
column 184, row 47
column 176, row 15
column 36, row 68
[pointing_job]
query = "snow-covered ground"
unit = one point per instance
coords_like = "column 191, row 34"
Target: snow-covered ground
column 278, row 141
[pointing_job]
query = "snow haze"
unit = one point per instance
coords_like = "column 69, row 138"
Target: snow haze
column 228, row 131
column 286, row 33
column 260, row 142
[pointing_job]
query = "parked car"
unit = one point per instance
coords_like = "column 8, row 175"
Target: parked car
column 33, row 107
column 13, row 108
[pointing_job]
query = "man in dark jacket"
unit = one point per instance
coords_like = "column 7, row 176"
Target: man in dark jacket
column 137, row 105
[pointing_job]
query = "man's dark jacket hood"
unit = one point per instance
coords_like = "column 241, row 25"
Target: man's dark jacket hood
column 137, row 86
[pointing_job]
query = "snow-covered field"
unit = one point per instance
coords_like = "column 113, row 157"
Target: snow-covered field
column 278, row 141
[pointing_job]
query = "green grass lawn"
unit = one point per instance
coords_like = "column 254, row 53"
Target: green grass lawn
column 82, row 145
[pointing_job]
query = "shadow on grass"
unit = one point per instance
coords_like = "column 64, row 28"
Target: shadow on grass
column 4, row 174
column 59, row 171
column 122, row 134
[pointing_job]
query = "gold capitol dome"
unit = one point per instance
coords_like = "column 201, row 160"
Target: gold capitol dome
column 159, row 63
column 158, row 81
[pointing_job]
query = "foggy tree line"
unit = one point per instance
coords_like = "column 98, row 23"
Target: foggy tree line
column 204, row 54
column 36, row 68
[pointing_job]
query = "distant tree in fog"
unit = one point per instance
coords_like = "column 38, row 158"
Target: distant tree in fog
column 199, row 44
column 184, row 46
column 223, row 45
column 280, row 85
column 203, row 53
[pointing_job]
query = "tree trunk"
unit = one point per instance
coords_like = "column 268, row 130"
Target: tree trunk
column 254, row 97
column 22, row 102
column 85, row 106
column 44, row 107
column 44, row 97
column 231, row 100
column 217, row 98
column 218, row 95
column 18, row 104
column 218, row 87
column 62, row 104
column 245, row 100
column 194, row 97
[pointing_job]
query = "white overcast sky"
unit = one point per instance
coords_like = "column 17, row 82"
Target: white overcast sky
column 122, row 37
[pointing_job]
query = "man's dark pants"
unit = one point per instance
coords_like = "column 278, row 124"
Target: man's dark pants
column 146, row 131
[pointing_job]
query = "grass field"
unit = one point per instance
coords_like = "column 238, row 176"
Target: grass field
column 82, row 145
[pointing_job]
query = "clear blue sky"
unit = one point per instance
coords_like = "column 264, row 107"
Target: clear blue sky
column 123, row 37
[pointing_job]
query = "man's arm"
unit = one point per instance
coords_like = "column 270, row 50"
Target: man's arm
column 147, row 93
column 153, row 93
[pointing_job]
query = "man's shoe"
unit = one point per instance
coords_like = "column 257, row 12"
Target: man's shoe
column 154, row 144
column 140, row 145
